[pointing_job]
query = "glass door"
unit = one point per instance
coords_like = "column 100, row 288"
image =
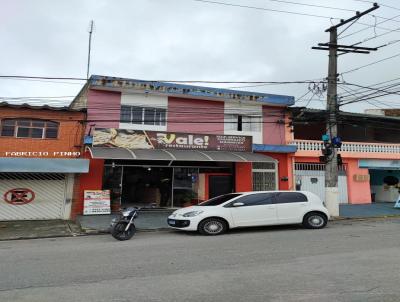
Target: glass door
column 185, row 187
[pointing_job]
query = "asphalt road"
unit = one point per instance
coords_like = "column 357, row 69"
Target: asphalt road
column 347, row 261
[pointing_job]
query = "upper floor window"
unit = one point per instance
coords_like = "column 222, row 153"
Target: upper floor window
column 29, row 128
column 143, row 115
column 238, row 122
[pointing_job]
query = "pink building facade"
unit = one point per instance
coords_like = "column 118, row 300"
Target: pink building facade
column 134, row 106
column 370, row 153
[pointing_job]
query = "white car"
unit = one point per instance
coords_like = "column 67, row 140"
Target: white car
column 246, row 209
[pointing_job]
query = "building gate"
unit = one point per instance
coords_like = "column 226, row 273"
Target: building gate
column 311, row 177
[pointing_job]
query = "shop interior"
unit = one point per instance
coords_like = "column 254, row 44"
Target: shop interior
column 162, row 186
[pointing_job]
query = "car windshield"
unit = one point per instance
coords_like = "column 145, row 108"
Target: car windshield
column 219, row 199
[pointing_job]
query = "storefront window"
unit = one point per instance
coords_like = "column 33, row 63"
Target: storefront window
column 150, row 186
column 185, row 186
column 112, row 181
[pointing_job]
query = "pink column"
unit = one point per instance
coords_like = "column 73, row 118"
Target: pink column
column 359, row 192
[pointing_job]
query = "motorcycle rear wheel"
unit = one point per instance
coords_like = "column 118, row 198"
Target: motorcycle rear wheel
column 119, row 233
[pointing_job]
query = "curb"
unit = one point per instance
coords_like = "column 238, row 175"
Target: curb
column 42, row 237
column 103, row 232
column 338, row 219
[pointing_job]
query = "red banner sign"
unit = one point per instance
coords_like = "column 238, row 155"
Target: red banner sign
column 139, row 139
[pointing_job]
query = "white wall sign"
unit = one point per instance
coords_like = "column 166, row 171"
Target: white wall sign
column 96, row 202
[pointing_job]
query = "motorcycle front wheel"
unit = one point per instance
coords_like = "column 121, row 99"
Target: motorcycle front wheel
column 119, row 233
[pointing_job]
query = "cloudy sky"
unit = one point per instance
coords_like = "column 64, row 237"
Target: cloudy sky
column 194, row 40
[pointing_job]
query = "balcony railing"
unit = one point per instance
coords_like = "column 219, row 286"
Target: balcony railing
column 306, row 145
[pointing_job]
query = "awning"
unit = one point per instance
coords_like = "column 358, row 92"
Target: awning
column 178, row 155
column 44, row 165
column 379, row 164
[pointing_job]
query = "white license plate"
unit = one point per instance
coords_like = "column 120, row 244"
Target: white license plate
column 172, row 222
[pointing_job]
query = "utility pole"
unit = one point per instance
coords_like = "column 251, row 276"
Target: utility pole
column 331, row 140
column 331, row 166
column 90, row 46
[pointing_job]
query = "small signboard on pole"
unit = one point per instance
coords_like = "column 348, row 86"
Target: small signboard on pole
column 96, row 202
column 397, row 204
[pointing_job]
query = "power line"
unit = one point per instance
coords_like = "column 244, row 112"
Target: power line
column 36, row 97
column 349, row 90
column 372, row 63
column 363, row 29
column 377, row 36
column 283, row 11
column 313, row 5
column 171, row 81
column 379, row 89
column 42, row 78
column 265, row 9
column 367, row 88
column 367, row 98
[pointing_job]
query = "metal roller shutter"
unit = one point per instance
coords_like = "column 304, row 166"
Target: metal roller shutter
column 32, row 196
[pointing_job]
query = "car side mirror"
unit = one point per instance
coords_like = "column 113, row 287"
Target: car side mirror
column 238, row 204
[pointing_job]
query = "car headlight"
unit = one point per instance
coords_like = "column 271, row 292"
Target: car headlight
column 192, row 213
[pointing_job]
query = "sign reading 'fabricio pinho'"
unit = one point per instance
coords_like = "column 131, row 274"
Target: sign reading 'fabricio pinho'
column 139, row 139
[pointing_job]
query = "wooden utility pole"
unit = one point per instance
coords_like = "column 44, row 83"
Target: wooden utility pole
column 330, row 140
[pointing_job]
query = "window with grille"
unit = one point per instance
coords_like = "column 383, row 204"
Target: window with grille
column 143, row 115
column 264, row 176
column 29, row 128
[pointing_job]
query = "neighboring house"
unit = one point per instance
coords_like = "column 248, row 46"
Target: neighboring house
column 370, row 153
column 39, row 150
column 170, row 145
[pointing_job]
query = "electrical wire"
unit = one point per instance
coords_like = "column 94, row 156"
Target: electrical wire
column 379, row 89
column 376, row 36
column 348, row 90
column 370, row 64
column 313, row 5
column 363, row 29
column 370, row 87
column 265, row 9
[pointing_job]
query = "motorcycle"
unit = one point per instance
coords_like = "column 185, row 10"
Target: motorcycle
column 122, row 227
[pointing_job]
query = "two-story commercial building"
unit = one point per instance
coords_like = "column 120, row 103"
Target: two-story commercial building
column 40, row 148
column 160, row 144
column 370, row 153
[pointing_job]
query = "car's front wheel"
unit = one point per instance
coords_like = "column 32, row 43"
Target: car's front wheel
column 315, row 220
column 212, row 226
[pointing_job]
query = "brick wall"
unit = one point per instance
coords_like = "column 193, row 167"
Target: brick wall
column 70, row 132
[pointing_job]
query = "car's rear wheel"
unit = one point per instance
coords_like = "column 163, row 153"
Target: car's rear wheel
column 212, row 226
column 315, row 220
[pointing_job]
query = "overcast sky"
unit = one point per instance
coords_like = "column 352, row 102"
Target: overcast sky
column 190, row 40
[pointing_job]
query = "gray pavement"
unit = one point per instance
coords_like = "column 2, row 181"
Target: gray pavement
column 347, row 261
column 26, row 229
column 368, row 210
column 147, row 220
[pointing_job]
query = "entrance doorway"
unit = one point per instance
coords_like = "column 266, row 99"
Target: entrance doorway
column 146, row 187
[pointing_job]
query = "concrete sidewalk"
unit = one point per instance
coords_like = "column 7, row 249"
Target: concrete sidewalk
column 31, row 229
column 376, row 209
column 149, row 220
